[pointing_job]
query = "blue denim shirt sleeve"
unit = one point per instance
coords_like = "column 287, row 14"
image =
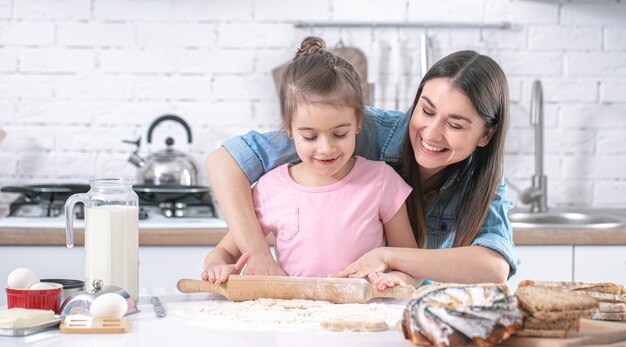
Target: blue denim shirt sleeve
column 497, row 233
column 381, row 138
column 258, row 153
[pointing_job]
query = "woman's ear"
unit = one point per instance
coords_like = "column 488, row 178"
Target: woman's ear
column 486, row 137
column 358, row 126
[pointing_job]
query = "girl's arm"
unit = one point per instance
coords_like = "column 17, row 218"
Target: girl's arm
column 398, row 230
column 399, row 233
column 232, row 190
column 218, row 263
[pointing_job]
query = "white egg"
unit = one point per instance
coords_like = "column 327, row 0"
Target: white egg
column 108, row 305
column 42, row 285
column 22, row 278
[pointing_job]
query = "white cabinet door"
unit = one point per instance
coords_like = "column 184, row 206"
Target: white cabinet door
column 547, row 263
column 600, row 264
column 162, row 267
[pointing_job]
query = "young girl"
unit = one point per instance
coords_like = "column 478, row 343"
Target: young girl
column 332, row 207
column 449, row 147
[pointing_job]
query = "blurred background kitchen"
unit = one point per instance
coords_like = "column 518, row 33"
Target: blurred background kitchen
column 79, row 76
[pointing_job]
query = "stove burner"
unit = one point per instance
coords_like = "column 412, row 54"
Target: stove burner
column 193, row 204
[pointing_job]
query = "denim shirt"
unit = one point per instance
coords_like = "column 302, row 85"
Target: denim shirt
column 381, row 138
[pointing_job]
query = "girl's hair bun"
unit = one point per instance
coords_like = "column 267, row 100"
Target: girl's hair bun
column 310, row 45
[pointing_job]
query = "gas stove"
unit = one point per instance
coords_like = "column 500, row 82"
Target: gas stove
column 155, row 203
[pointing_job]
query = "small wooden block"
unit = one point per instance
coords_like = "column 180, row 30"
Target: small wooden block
column 91, row 325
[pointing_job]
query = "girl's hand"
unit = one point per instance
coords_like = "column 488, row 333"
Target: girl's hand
column 263, row 264
column 372, row 261
column 382, row 280
column 218, row 274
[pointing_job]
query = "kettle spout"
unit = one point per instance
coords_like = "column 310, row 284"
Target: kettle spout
column 136, row 160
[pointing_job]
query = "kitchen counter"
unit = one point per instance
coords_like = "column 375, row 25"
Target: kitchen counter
column 158, row 231
column 209, row 231
column 147, row 330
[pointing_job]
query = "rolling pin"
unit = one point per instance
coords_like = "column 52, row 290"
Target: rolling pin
column 336, row 290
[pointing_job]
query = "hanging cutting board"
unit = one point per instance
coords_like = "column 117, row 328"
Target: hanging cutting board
column 353, row 55
column 336, row 290
column 591, row 332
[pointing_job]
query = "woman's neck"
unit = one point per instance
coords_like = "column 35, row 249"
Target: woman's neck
column 429, row 178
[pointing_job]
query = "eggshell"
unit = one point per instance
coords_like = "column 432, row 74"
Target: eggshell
column 108, row 305
column 42, row 285
column 22, row 278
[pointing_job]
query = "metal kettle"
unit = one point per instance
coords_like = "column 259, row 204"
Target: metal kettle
column 167, row 166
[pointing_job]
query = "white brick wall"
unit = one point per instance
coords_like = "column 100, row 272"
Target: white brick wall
column 79, row 76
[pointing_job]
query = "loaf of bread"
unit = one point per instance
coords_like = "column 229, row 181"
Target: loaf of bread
column 461, row 315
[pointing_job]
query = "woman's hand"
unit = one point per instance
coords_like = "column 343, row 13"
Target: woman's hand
column 372, row 261
column 382, row 280
column 218, row 274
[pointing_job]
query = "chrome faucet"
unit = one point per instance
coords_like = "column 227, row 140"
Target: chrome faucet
column 536, row 195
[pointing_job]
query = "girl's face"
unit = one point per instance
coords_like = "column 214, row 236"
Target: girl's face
column 325, row 138
column 445, row 127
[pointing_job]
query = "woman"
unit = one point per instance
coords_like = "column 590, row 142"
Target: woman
column 450, row 149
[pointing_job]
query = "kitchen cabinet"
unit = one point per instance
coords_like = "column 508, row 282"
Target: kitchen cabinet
column 548, row 263
column 600, row 263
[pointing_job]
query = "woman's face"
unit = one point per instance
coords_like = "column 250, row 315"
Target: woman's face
column 445, row 127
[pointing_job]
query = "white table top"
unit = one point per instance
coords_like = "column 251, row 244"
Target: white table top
column 147, row 330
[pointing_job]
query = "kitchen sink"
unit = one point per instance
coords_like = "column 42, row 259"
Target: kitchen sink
column 568, row 219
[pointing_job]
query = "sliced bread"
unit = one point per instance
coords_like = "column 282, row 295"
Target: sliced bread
column 565, row 324
column 616, row 316
column 541, row 333
column 610, row 307
column 605, row 287
column 534, row 299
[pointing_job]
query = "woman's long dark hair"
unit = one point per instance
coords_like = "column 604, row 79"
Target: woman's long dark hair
column 482, row 80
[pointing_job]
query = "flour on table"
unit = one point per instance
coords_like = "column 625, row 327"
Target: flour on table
column 275, row 314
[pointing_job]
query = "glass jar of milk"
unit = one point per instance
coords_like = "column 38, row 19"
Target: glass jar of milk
column 111, row 233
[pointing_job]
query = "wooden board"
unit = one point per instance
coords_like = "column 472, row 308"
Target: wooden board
column 352, row 55
column 591, row 332
column 90, row 325
column 336, row 290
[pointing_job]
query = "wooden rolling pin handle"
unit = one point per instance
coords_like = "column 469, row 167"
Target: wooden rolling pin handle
column 186, row 285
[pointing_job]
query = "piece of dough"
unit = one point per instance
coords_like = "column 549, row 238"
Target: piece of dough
column 340, row 325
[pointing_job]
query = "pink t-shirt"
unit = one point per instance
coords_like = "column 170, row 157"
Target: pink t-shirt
column 320, row 230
